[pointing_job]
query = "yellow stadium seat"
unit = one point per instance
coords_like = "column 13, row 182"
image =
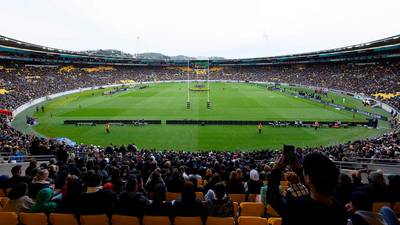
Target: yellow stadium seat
column 124, row 220
column 237, row 197
column 284, row 188
column 3, row 201
column 200, row 196
column 220, row 220
column 180, row 220
column 91, row 189
column 63, row 219
column 396, row 208
column 376, row 207
column 33, row 218
column 170, row 196
column 8, row 218
column 252, row 209
column 252, row 220
column 2, row 193
column 271, row 211
column 94, row 220
column 235, row 209
column 156, row 220
column 252, row 198
column 275, row 221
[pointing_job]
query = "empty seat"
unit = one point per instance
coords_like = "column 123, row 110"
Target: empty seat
column 63, row 219
column 180, row 220
column 376, row 207
column 170, row 196
column 237, row 197
column 275, row 221
column 156, row 220
column 3, row 201
column 8, row 218
column 252, row 209
column 33, row 218
column 220, row 220
column 123, row 220
column 94, row 220
column 252, row 220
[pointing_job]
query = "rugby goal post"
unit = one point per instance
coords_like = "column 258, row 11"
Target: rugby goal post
column 198, row 78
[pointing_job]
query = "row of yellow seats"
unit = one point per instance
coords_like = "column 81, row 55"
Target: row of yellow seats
column 246, row 208
column 170, row 196
column 10, row 218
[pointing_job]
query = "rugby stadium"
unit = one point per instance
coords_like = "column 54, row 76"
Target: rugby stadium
column 108, row 138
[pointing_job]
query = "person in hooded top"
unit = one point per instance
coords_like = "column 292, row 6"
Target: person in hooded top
column 39, row 182
column 361, row 208
column 43, row 202
column 19, row 201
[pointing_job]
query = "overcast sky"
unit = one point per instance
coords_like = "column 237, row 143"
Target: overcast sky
column 227, row 28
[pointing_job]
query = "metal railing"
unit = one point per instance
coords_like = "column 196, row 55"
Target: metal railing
column 7, row 158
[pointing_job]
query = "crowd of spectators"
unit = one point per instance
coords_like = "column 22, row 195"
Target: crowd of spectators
column 27, row 83
column 135, row 183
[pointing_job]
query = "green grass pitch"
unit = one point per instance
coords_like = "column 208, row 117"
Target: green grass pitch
column 229, row 101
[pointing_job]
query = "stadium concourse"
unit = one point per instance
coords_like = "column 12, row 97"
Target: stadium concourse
column 130, row 181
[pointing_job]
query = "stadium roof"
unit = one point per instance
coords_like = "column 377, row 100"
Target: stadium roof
column 13, row 49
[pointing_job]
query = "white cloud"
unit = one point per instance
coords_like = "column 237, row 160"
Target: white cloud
column 233, row 29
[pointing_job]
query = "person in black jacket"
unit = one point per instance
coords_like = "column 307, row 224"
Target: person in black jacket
column 188, row 204
column 321, row 177
column 234, row 185
column 99, row 202
column 71, row 195
column 159, row 206
column 131, row 202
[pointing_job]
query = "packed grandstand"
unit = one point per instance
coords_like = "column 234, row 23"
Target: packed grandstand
column 129, row 180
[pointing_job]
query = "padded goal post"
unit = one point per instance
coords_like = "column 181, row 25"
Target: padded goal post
column 198, row 78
